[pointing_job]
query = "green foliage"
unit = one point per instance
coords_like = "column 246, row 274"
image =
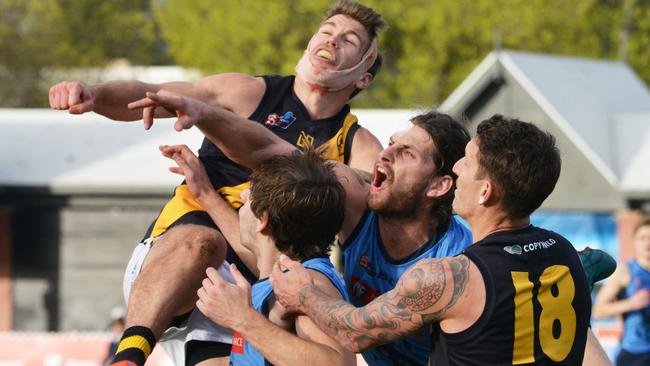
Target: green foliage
column 30, row 33
column 101, row 31
column 38, row 34
column 434, row 45
column 249, row 36
column 429, row 48
column 639, row 43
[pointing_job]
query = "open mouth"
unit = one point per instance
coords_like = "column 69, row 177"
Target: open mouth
column 380, row 178
column 325, row 54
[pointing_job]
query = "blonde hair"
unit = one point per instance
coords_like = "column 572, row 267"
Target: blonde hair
column 368, row 17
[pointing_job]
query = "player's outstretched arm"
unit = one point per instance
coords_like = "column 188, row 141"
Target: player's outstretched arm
column 108, row 99
column 424, row 294
column 245, row 142
column 234, row 91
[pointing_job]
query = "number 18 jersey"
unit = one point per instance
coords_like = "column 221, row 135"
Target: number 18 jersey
column 537, row 305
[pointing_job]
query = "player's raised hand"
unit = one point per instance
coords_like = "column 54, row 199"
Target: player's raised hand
column 191, row 168
column 74, row 96
column 186, row 109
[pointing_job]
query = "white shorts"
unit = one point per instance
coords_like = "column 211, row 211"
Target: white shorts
column 197, row 326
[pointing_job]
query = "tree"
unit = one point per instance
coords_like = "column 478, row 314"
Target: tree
column 248, row 36
column 639, row 42
column 430, row 47
column 36, row 34
column 31, row 37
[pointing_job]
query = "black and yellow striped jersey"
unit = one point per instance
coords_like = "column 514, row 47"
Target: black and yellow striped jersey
column 282, row 112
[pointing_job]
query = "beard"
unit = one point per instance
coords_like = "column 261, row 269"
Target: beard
column 400, row 202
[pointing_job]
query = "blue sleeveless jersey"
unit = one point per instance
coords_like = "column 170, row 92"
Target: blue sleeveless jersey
column 369, row 273
column 636, row 328
column 243, row 353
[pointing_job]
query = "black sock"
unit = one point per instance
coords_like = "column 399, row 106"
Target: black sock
column 135, row 346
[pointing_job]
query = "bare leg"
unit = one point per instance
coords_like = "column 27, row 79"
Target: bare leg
column 171, row 275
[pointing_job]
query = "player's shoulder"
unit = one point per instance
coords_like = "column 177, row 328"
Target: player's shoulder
column 364, row 141
column 232, row 82
column 324, row 283
column 238, row 92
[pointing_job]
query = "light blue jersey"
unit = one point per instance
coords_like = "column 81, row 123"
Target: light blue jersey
column 636, row 327
column 369, row 273
column 261, row 294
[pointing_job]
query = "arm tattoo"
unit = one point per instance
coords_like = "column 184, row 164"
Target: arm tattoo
column 460, row 271
column 422, row 296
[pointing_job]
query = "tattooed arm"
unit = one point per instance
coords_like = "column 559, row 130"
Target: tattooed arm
column 431, row 290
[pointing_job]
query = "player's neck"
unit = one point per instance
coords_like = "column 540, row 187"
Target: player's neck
column 268, row 255
column 493, row 221
column 319, row 102
column 401, row 236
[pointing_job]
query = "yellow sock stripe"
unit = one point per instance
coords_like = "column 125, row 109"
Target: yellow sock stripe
column 135, row 341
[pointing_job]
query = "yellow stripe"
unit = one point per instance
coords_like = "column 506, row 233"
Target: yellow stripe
column 135, row 341
column 334, row 148
column 183, row 202
column 233, row 194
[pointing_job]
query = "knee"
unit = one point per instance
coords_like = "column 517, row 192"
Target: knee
column 199, row 243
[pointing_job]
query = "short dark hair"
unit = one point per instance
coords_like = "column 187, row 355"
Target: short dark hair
column 304, row 202
column 644, row 222
column 521, row 160
column 368, row 17
column 450, row 138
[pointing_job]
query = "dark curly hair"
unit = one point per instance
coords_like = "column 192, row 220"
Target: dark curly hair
column 521, row 160
column 304, row 202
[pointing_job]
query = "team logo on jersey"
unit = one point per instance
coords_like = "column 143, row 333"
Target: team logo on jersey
column 515, row 249
column 364, row 261
column 284, row 121
column 362, row 290
column 305, row 140
column 237, row 343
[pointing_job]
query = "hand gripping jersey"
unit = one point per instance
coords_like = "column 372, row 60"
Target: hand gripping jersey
column 537, row 304
column 636, row 328
column 282, row 112
column 242, row 352
column 369, row 273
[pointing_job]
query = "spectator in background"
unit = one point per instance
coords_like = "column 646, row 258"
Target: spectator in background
column 632, row 280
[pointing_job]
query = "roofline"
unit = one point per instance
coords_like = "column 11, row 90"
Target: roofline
column 557, row 117
column 470, row 81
